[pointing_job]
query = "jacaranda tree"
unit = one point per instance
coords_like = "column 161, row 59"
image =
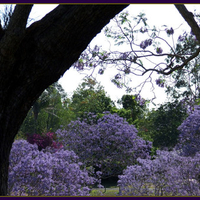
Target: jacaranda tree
column 49, row 172
column 168, row 174
column 108, row 144
column 189, row 138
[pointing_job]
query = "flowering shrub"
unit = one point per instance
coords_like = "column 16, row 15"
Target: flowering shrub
column 169, row 174
column 108, row 144
column 189, row 138
column 44, row 140
column 46, row 172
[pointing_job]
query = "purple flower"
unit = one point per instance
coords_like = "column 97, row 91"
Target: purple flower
column 169, row 31
column 118, row 76
column 101, row 71
column 168, row 174
column 124, row 56
column 46, row 172
column 159, row 50
column 160, row 82
column 144, row 44
column 181, row 38
column 189, row 138
column 104, row 143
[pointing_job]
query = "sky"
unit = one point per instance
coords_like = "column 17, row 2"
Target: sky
column 157, row 14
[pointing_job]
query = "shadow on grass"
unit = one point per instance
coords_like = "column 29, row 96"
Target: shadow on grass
column 110, row 188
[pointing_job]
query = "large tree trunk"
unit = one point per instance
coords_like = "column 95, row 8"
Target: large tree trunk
column 33, row 58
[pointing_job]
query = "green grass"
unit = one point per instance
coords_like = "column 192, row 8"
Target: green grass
column 110, row 188
column 102, row 192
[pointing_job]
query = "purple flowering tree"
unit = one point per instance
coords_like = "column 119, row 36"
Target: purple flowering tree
column 189, row 138
column 169, row 174
column 46, row 172
column 108, row 145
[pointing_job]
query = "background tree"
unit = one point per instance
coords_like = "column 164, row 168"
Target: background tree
column 184, row 84
column 188, row 141
column 135, row 104
column 90, row 96
column 47, row 113
column 160, row 125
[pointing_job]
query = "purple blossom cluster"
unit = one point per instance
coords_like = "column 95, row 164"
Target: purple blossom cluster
column 144, row 44
column 109, row 144
column 140, row 100
column 44, row 140
column 169, row 174
column 118, row 76
column 169, row 31
column 159, row 50
column 189, row 138
column 160, row 82
column 124, row 56
column 46, row 172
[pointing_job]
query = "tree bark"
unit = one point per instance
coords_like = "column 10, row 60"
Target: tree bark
column 189, row 18
column 33, row 58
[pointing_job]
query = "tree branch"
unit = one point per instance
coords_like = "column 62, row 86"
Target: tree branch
column 189, row 18
column 16, row 29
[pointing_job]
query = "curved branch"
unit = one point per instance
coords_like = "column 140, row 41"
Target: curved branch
column 189, row 18
column 177, row 66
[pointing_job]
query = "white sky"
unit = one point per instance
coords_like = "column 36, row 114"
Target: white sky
column 157, row 14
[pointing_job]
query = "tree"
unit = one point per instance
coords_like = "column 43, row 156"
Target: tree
column 135, row 104
column 168, row 174
column 188, row 141
column 34, row 57
column 90, row 96
column 183, row 85
column 108, row 144
column 161, row 124
column 46, row 172
column 47, row 112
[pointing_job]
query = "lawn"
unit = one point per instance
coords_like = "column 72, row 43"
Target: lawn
column 105, row 191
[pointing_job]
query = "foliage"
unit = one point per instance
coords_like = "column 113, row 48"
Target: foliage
column 189, row 141
column 160, row 125
column 46, row 172
column 169, row 174
column 90, row 96
column 184, row 84
column 47, row 113
column 109, row 144
column 135, row 104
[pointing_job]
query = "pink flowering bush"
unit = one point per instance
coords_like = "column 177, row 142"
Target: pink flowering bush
column 108, row 144
column 44, row 140
column 169, row 174
column 47, row 172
